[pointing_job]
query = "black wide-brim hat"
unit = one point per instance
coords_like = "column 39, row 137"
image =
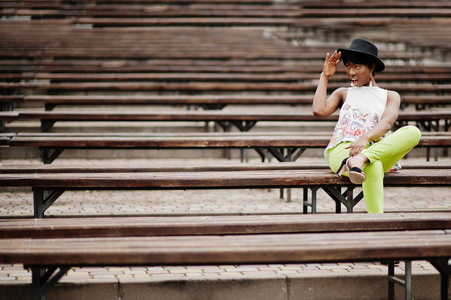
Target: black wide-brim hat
column 366, row 48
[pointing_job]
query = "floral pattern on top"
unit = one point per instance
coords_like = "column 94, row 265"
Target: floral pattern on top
column 352, row 125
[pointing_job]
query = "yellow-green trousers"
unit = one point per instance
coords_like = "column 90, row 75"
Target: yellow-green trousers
column 382, row 157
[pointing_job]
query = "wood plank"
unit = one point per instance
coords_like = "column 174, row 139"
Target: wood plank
column 9, row 115
column 131, row 115
column 206, row 101
column 217, row 225
column 40, row 168
column 211, row 86
column 205, row 141
column 215, row 180
column 228, row 249
column 177, row 142
column 170, row 99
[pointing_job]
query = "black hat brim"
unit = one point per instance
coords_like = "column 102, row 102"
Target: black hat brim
column 380, row 66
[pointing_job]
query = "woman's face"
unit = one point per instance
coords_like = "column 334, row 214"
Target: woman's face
column 359, row 74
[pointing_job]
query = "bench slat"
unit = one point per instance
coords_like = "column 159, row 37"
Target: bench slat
column 233, row 249
column 220, row 179
column 208, row 116
column 39, row 168
column 211, row 141
column 217, row 225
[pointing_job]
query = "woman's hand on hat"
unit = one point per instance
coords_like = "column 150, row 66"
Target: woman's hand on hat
column 331, row 63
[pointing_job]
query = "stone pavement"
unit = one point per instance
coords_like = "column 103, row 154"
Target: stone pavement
column 345, row 277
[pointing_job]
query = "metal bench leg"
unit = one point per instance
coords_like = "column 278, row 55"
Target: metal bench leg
column 43, row 199
column 44, row 278
column 48, row 155
column 288, row 194
column 312, row 203
column 406, row 283
column 442, row 265
column 346, row 198
column 305, row 201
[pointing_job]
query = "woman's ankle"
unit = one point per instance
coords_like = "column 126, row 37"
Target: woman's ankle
column 358, row 161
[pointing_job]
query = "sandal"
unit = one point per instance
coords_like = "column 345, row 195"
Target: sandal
column 356, row 175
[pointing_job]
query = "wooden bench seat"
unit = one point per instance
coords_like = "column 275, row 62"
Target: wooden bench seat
column 429, row 120
column 225, row 77
column 283, row 146
column 48, row 186
column 204, row 87
column 218, row 225
column 432, row 37
column 205, row 101
column 7, row 116
column 50, row 247
column 288, row 166
column 205, row 65
column 371, row 4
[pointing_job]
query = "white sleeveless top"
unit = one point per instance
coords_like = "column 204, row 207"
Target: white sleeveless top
column 362, row 109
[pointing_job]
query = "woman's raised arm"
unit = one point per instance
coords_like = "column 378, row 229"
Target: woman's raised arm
column 323, row 106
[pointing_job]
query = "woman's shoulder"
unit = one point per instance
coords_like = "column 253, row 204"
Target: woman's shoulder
column 342, row 91
column 393, row 97
column 393, row 94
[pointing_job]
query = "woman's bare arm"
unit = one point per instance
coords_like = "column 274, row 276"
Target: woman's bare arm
column 323, row 106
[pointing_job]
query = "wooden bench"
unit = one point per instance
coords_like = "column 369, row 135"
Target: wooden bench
column 204, row 87
column 7, row 116
column 243, row 121
column 51, row 247
column 268, row 66
column 212, row 77
column 207, row 102
column 48, row 185
column 283, row 146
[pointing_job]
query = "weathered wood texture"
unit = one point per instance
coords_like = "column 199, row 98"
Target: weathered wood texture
column 215, row 179
column 228, row 249
column 218, row 225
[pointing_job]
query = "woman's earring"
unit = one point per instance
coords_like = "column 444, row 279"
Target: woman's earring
column 371, row 82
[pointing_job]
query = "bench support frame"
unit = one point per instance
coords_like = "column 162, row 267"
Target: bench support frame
column 43, row 198
column 406, row 283
column 45, row 278
column 346, row 198
column 443, row 266
column 48, row 155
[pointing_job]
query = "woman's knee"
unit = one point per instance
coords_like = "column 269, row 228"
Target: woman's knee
column 374, row 170
column 411, row 133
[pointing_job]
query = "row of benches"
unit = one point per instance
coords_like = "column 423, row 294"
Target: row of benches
column 306, row 16
column 283, row 146
column 50, row 247
column 208, row 102
column 262, row 9
column 49, row 182
column 212, row 77
column 244, row 121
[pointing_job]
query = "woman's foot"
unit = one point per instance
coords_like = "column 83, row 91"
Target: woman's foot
column 355, row 166
column 357, row 161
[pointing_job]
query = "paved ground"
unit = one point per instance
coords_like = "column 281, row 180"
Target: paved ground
column 19, row 204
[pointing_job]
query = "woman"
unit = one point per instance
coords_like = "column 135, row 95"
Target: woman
column 361, row 146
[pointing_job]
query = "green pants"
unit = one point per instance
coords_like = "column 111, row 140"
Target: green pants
column 382, row 157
